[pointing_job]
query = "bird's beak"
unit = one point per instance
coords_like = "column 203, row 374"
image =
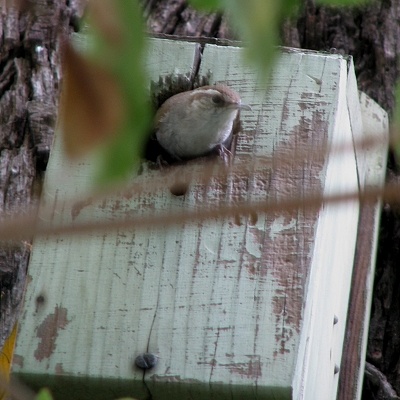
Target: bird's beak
column 244, row 107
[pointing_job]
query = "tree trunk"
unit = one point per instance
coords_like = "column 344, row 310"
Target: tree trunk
column 29, row 88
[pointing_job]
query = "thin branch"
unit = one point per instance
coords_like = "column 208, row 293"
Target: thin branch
column 200, row 171
column 380, row 380
column 20, row 228
column 17, row 227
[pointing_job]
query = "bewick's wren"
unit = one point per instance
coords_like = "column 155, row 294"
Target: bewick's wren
column 194, row 123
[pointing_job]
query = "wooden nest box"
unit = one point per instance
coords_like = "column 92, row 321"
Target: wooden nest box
column 250, row 306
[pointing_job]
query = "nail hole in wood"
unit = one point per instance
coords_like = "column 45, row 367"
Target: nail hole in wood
column 179, row 189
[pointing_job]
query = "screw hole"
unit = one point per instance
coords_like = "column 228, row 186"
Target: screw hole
column 40, row 300
column 179, row 189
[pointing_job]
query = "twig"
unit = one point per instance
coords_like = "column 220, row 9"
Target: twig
column 380, row 380
column 19, row 228
column 193, row 172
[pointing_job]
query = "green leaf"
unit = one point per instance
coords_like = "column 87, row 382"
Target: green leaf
column 117, row 45
column 257, row 22
column 127, row 149
column 44, row 394
column 206, row 5
column 290, row 7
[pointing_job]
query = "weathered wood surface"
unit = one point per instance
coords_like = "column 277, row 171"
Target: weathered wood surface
column 370, row 34
column 374, row 123
column 241, row 307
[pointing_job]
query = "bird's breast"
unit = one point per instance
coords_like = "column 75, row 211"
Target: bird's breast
column 194, row 134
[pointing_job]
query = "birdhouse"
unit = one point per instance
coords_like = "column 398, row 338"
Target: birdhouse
column 240, row 289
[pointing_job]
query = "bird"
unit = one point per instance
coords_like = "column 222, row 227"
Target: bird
column 197, row 122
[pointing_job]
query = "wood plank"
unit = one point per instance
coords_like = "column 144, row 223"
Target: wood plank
column 374, row 125
column 299, row 124
column 238, row 308
column 321, row 340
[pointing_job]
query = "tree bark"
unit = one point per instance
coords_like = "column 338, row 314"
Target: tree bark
column 30, row 75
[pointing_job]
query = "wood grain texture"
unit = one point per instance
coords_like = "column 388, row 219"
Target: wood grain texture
column 321, row 342
column 374, row 123
column 238, row 308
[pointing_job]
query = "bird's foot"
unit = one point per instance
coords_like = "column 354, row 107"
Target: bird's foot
column 161, row 162
column 225, row 154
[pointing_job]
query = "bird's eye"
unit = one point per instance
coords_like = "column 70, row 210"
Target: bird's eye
column 217, row 99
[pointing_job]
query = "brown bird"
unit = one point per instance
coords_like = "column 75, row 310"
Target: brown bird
column 194, row 123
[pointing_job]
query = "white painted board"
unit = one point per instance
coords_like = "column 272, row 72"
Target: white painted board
column 234, row 308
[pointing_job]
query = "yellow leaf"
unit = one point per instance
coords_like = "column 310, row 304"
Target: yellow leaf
column 6, row 358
